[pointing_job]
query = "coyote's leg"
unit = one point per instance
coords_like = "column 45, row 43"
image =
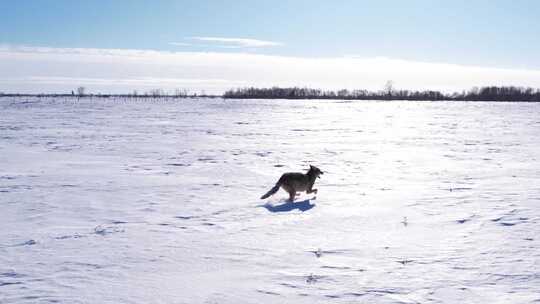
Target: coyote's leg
column 289, row 190
column 312, row 191
column 291, row 196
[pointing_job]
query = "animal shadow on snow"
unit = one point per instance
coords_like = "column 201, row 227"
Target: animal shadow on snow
column 288, row 206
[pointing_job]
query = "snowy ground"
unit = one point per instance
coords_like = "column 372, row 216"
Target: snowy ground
column 115, row 201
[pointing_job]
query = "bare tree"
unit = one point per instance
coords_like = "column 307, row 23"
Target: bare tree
column 389, row 88
column 157, row 92
column 80, row 91
column 343, row 93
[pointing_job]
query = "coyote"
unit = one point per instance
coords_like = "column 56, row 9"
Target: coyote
column 295, row 182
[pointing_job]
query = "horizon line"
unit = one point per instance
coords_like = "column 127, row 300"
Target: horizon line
column 183, row 92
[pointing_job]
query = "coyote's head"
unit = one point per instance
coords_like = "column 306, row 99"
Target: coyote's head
column 314, row 171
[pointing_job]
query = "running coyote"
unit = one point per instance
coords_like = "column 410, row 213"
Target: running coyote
column 295, row 182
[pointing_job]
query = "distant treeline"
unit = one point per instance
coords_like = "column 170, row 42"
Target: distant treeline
column 81, row 91
column 491, row 93
column 142, row 96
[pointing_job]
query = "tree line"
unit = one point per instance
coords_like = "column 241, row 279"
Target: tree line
column 81, row 92
column 490, row 93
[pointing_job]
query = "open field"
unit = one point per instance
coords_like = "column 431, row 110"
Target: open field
column 122, row 201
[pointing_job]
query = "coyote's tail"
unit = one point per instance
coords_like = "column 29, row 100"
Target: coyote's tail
column 272, row 191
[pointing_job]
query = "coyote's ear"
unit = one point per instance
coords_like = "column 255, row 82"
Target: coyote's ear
column 310, row 166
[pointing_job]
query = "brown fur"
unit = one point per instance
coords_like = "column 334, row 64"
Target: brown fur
column 296, row 182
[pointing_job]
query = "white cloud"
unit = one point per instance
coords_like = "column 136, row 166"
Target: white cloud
column 45, row 69
column 181, row 44
column 235, row 42
column 137, row 82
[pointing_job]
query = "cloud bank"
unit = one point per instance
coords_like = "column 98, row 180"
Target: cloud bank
column 226, row 43
column 238, row 42
column 28, row 69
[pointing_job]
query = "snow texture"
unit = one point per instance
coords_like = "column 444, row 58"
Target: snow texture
column 125, row 201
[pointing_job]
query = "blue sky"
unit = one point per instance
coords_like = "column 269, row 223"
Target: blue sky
column 490, row 34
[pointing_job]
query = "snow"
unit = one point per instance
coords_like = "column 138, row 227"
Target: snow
column 131, row 201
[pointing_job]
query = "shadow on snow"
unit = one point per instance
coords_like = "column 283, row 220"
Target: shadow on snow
column 289, row 206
